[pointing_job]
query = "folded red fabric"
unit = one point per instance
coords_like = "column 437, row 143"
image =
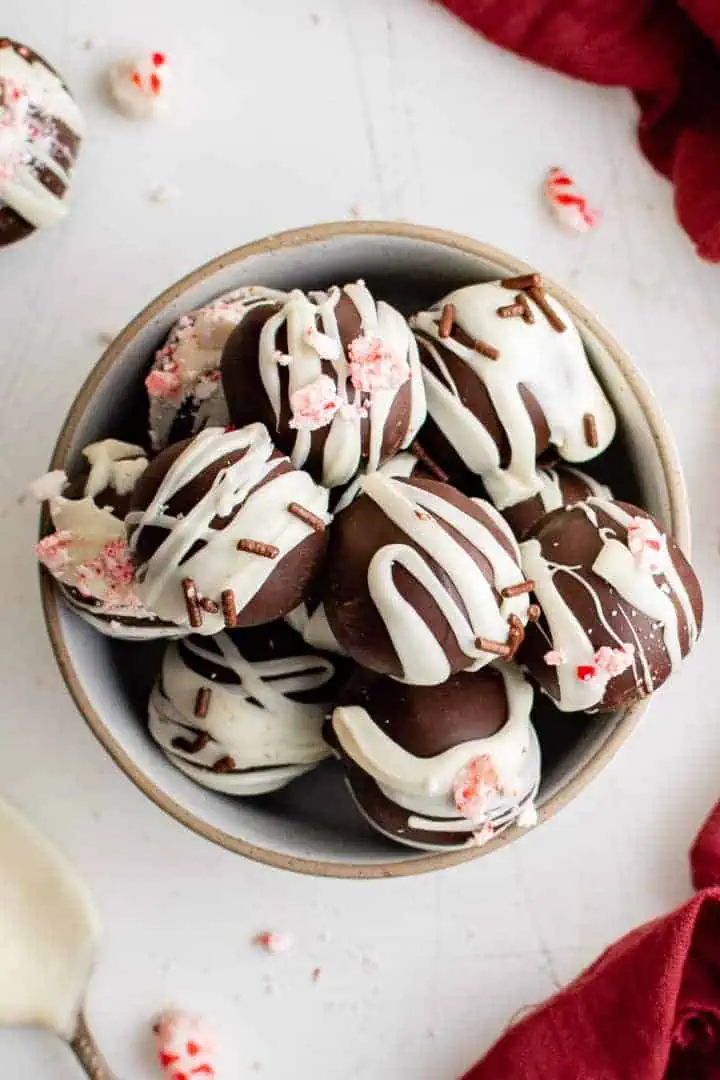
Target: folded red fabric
column 647, row 1009
column 666, row 53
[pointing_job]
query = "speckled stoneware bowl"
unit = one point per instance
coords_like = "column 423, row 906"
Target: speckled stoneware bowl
column 312, row 826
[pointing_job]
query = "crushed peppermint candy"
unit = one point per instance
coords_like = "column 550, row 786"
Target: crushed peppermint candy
column 275, row 941
column 53, row 550
column 314, row 405
column 374, row 366
column 474, row 786
column 185, row 1046
column 164, row 383
column 607, row 664
column 570, row 207
column 138, row 87
column 648, row 545
column 555, row 657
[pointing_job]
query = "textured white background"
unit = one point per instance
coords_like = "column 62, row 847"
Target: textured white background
column 288, row 112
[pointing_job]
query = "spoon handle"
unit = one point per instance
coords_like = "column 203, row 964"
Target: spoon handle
column 88, row 1053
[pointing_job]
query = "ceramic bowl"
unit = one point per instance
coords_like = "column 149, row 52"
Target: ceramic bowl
column 312, row 826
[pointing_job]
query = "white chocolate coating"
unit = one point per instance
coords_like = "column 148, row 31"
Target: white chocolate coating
column 28, row 141
column 113, row 464
column 49, row 931
column 260, row 515
column 551, row 365
column 270, row 737
column 313, row 626
column 652, row 595
column 423, row 658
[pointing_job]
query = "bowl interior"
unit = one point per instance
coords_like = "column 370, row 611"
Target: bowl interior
column 312, row 825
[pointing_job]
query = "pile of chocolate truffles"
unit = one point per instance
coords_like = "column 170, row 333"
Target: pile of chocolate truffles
column 350, row 528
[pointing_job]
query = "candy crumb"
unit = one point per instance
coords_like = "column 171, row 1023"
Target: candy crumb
column 164, row 193
column 275, row 941
column 315, row 974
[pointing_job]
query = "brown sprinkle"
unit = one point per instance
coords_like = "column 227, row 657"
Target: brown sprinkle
column 517, row 590
column 538, row 295
column 534, row 612
column 430, row 465
column 446, row 320
column 516, row 636
column 523, row 281
column 590, row 429
column 307, row 516
column 509, row 311
column 202, row 701
column 497, row 648
column 258, row 547
column 191, row 746
column 191, row 603
column 527, row 314
column 486, row 350
column 224, row 765
column 209, row 605
column 228, row 607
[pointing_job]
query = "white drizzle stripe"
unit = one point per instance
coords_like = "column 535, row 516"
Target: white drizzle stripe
column 20, row 189
column 550, row 494
column 423, row 659
column 314, row 628
column 552, row 366
column 262, row 516
column 402, row 467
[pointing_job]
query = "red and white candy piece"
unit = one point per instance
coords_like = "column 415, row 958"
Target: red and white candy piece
column 570, row 207
column 313, row 406
column 275, row 941
column 185, row 1047
column 607, row 664
column 138, row 87
column 474, row 786
column 648, row 545
column 373, row 366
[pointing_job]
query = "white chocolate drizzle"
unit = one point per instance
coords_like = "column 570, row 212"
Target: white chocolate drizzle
column 113, row 464
column 552, row 366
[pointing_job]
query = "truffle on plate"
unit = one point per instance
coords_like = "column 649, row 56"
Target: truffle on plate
column 439, row 767
column 506, row 376
column 621, row 606
column 225, row 531
column 242, row 712
column 422, row 582
column 561, row 486
column 334, row 376
column 41, row 129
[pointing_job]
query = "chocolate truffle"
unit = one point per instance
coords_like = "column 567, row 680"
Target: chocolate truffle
column 225, row 531
column 439, row 767
column 41, row 129
column 561, row 486
column 184, row 385
column 242, row 712
column 506, row 376
column 88, row 554
column 335, row 377
column 621, row 606
column 422, row 581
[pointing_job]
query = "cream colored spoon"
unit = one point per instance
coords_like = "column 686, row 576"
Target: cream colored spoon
column 49, row 934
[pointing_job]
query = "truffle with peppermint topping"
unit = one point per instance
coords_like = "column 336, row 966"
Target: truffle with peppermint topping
column 334, row 376
column 41, row 129
column 621, row 606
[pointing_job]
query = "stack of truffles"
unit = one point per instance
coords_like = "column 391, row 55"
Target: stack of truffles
column 351, row 528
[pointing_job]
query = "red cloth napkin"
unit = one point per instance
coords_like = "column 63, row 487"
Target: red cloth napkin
column 665, row 51
column 648, row 1009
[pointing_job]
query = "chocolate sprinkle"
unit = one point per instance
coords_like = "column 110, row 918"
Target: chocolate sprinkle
column 538, row 295
column 517, row 590
column 590, row 429
column 258, row 547
column 497, row 648
column 446, row 320
column 484, row 349
column 228, row 607
column 523, row 281
column 209, row 605
column 224, row 765
column 430, row 465
column 202, row 701
column 307, row 516
column 191, row 603
column 191, row 746
column 516, row 637
column 527, row 314
column 509, row 311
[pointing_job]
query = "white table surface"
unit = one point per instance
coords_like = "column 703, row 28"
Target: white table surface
column 288, row 112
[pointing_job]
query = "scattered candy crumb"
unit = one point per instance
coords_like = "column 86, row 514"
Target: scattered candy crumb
column 185, row 1046
column 137, row 87
column 528, row 816
column 473, row 787
column 164, row 193
column 648, row 545
column 105, row 337
column 555, row 657
column 568, row 205
column 315, row 974
column 356, row 211
column 48, row 486
column 275, row 941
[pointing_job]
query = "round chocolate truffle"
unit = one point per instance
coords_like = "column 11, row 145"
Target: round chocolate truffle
column 41, row 129
column 88, row 554
column 242, row 712
column 439, row 767
column 561, row 486
column 402, row 467
column 225, row 531
column 621, row 606
column 335, row 377
column 184, row 385
column 506, row 376
column 422, row 581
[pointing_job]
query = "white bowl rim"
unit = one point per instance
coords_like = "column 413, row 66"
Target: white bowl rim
column 679, row 527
